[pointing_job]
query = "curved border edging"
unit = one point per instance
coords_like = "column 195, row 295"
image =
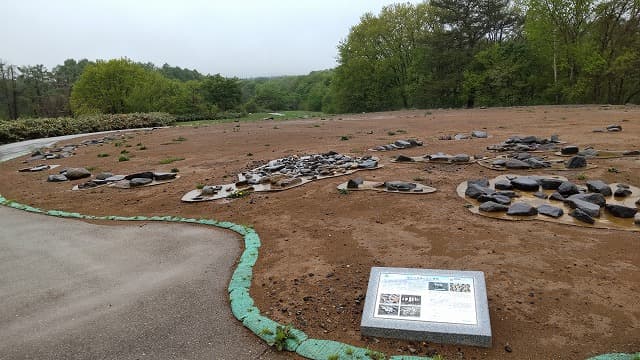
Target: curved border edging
column 242, row 305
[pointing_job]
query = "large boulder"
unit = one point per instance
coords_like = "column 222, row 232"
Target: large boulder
column 549, row 210
column 621, row 211
column 525, row 183
column 77, row 173
column 521, row 209
column 599, row 186
column 491, row 206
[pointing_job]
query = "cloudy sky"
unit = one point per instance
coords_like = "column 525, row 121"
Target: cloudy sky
column 241, row 38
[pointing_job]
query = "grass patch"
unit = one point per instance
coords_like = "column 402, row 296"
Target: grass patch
column 286, row 115
column 124, row 152
column 418, row 179
column 175, row 170
column 391, row 133
column 199, row 186
column 400, row 131
column 102, row 155
column 170, row 160
column 582, row 177
column 345, row 137
column 180, row 139
column 123, row 158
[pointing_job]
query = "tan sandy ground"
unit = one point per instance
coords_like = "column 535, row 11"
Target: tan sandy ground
column 555, row 291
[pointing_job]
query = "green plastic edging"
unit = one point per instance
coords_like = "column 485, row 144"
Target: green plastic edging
column 242, row 305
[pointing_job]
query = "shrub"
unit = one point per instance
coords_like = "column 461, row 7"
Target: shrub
column 123, row 158
column 25, row 129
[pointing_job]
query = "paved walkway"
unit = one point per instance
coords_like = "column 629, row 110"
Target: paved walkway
column 73, row 290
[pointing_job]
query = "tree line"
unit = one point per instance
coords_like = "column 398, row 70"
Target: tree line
column 453, row 53
column 441, row 53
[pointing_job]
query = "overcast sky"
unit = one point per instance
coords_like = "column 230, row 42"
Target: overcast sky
column 243, row 38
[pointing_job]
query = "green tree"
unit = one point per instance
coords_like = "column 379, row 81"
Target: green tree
column 225, row 93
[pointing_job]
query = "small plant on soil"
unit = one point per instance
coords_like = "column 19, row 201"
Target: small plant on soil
column 283, row 333
column 343, row 192
column 391, row 133
column 613, row 170
column 170, row 160
column 199, row 186
column 117, row 144
column 333, row 357
column 123, row 158
column 91, row 168
column 238, row 194
column 102, row 155
column 175, row 170
column 266, row 331
column 428, row 113
column 345, row 137
column 124, row 152
column 180, row 139
column 582, row 177
column 400, row 131
column 142, row 148
column 375, row 355
column 418, row 179
column 316, row 125
column 249, row 154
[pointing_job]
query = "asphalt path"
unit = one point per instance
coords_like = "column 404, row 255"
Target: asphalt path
column 74, row 290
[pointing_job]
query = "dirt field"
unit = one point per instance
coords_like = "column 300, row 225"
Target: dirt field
column 555, row 291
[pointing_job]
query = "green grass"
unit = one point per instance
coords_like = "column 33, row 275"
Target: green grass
column 102, row 155
column 175, row 170
column 288, row 115
column 123, row 158
column 180, row 139
column 170, row 160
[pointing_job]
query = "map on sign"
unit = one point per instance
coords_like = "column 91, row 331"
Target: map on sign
column 445, row 299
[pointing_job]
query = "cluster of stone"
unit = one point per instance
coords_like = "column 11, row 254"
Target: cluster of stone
column 524, row 160
column 526, row 143
column 66, row 150
column 399, row 144
column 403, row 186
column 122, row 181
column 286, row 171
column 586, row 203
column 479, row 134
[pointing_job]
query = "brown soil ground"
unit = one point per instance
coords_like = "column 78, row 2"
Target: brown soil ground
column 555, row 291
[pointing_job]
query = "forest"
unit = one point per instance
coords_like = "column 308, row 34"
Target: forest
column 441, row 53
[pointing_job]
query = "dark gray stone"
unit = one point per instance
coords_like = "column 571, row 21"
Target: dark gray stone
column 621, row 211
column 569, row 150
column 461, row 158
column 521, row 209
column 537, row 163
column 549, row 210
column 508, row 193
column 588, row 208
column 631, row 153
column 556, row 196
column 160, row 176
column 354, row 183
column 76, row 173
column 415, row 142
column 368, row 164
column 115, row 178
column 140, row 175
column 499, row 162
column 399, row 185
column 567, row 188
column 484, row 182
column 139, row 181
column 522, row 156
column 614, row 128
column 576, row 162
column 599, row 186
column 500, row 199
column 491, row 206
column 540, row 195
column 622, row 192
column 516, row 164
column 57, row 178
column 402, row 144
column 525, row 183
column 549, row 183
column 474, row 191
column 503, row 185
column 594, row 198
column 403, row 158
column 582, row 216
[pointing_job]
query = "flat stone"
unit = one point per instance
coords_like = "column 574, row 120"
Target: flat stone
column 537, row 163
column 210, row 190
column 631, row 153
column 599, row 186
column 540, row 194
column 474, row 191
column 521, row 209
column 508, row 193
column 407, row 304
column 582, row 216
column 140, row 175
column 484, row 182
column 500, row 199
column 122, row 184
column 588, row 208
column 57, row 178
column 479, row 134
column 621, row 211
column 522, row 156
column 499, row 162
column 614, row 128
column 399, row 185
column 115, row 178
column 461, row 136
column 549, row 210
column 403, row 158
column 569, row 150
column 415, row 142
column 594, row 198
column 104, row 176
column 402, row 144
column 516, row 164
column 77, row 173
column 576, row 162
column 440, row 157
column 160, row 176
column 525, row 183
column 550, row 183
column 567, row 188
column 354, row 183
column 368, row 164
column 491, row 206
column 503, row 185
column 461, row 158
column 139, row 181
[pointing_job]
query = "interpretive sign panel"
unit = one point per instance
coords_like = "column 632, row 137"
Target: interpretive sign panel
column 424, row 304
